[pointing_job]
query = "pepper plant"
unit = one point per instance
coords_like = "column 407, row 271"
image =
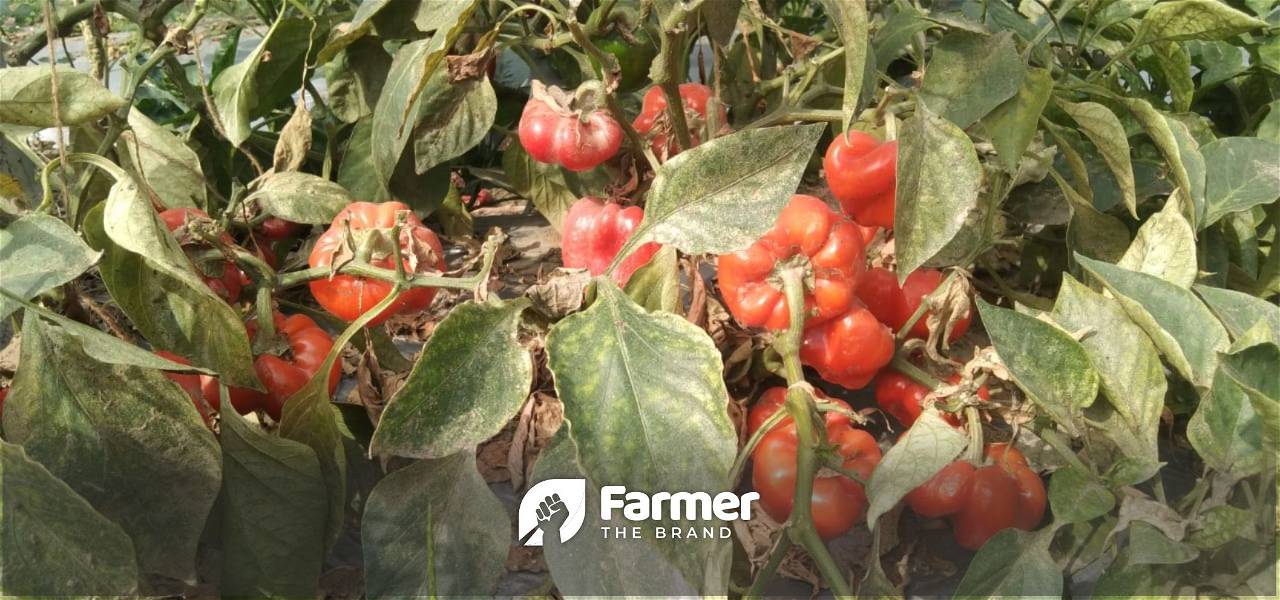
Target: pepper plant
column 302, row 296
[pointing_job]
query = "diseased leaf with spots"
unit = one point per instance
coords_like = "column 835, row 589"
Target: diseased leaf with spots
column 125, row 438
column 645, row 401
column 301, row 197
column 970, row 74
column 433, row 527
column 38, row 253
column 471, row 378
column 1012, row 563
column 53, row 542
column 1241, row 173
column 1104, row 129
column 26, row 97
column 1165, row 246
column 1051, row 367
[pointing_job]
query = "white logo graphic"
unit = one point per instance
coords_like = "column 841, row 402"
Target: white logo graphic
column 562, row 501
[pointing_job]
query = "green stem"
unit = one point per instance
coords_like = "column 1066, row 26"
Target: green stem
column 741, row 461
column 800, row 405
column 904, row 366
column 359, row 269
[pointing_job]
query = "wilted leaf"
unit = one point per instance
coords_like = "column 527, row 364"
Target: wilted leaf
column 273, row 513
column 301, row 197
column 356, row 173
column 1181, row 326
column 38, row 253
column 1180, row 152
column 434, row 528
column 969, row 75
column 722, row 195
column 1165, row 246
column 294, row 141
column 615, row 366
column 470, row 379
column 26, row 97
column 127, row 439
column 926, row 448
column 938, row 181
column 1241, row 172
column 1051, row 367
column 52, row 542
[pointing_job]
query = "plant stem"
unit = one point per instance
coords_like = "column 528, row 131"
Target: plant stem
column 904, row 366
column 361, row 269
column 800, row 406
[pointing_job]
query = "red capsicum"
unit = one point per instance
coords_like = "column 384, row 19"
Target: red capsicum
column 594, row 231
column 861, row 172
column 982, row 500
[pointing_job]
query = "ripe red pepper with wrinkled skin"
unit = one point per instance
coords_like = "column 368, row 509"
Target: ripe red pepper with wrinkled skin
column 775, row 399
column 808, row 228
column 838, row 502
column 693, row 98
column 349, row 296
column 903, row 397
column 893, row 306
column 281, row 375
column 228, row 284
column 594, row 231
column 983, row 500
column 849, row 350
column 553, row 129
column 862, row 174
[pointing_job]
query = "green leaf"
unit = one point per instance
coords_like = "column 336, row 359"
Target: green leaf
column 38, row 253
column 1240, row 312
column 355, row 78
column 925, row 449
column 937, row 187
column 151, row 279
column 1180, row 151
column 399, row 104
column 1128, row 367
column 360, row 25
column 244, row 91
column 656, row 285
column 1181, row 326
column 52, row 542
column 1193, row 20
column 300, row 197
column 644, row 395
column 1051, row 367
column 471, row 378
column 1077, row 496
column 1104, row 129
column 455, row 117
column 850, row 20
column 1269, row 128
column 1221, row 524
column 1242, row 172
column 1013, row 124
column 127, row 439
column 356, row 172
column 1175, row 63
column 308, row 417
column 722, row 195
column 164, row 161
column 970, row 74
column 541, row 183
column 433, row 528
column 896, row 33
column 269, row 480
column 26, row 97
column 1012, row 563
column 1225, row 430
column 1165, row 246
column 1254, row 370
column 1150, row 546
